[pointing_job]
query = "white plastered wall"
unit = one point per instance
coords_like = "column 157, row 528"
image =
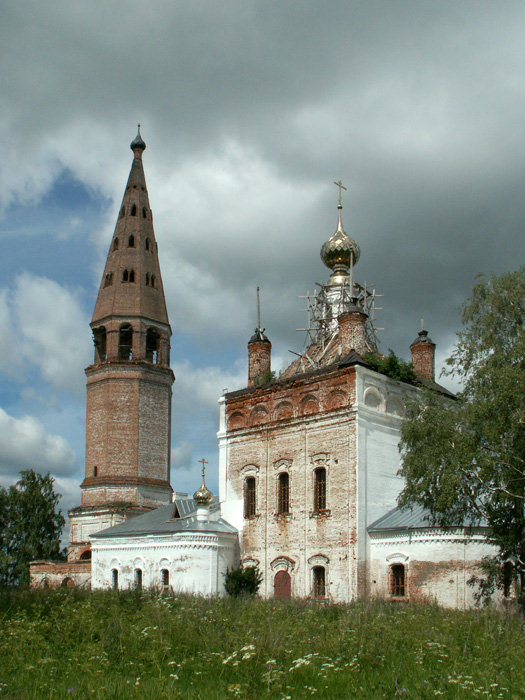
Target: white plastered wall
column 197, row 562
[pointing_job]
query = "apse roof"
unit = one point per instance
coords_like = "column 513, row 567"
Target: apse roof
column 415, row 518
column 165, row 520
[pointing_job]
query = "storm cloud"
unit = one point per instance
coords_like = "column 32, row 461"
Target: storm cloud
column 250, row 111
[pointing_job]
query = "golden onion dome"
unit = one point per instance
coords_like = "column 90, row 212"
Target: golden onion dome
column 340, row 252
column 203, row 495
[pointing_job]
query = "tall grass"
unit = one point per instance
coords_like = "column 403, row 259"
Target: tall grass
column 73, row 644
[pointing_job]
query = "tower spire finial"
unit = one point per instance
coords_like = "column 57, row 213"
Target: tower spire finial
column 341, row 187
column 258, row 307
column 340, row 205
column 137, row 145
column 203, row 462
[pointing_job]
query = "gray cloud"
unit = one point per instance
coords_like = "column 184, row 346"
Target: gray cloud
column 250, row 111
column 25, row 444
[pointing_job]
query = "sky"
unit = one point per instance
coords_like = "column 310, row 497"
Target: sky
column 250, row 110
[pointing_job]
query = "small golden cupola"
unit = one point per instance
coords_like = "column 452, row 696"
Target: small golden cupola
column 340, row 253
column 203, row 495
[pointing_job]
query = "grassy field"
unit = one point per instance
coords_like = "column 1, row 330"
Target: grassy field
column 71, row 644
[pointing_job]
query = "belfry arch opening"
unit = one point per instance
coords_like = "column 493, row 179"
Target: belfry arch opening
column 99, row 339
column 125, row 342
column 152, row 346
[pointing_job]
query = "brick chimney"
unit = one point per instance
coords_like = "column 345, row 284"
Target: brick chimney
column 259, row 356
column 352, row 335
column 423, row 352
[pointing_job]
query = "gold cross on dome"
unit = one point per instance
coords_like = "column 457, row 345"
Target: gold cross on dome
column 341, row 187
column 203, row 462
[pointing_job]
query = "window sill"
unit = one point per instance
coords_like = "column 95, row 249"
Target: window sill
column 326, row 513
column 282, row 516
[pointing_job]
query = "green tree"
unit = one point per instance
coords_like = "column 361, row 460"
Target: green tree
column 30, row 526
column 464, row 459
column 243, row 581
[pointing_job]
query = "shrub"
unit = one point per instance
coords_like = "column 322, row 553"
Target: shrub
column 392, row 365
column 243, row 581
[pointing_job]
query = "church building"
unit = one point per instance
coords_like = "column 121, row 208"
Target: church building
column 308, row 460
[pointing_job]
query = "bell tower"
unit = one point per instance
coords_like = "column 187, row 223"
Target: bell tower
column 128, row 403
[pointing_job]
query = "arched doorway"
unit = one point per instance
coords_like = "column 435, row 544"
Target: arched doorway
column 282, row 585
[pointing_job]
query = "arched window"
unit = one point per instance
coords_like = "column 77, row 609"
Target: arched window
column 86, row 556
column 115, row 244
column 397, row 580
column 507, row 575
column 99, row 340
column 147, row 244
column 282, row 585
column 131, row 241
column 134, row 210
column 319, row 581
column 125, row 342
column 144, row 213
column 165, row 578
column 319, row 490
column 152, row 280
column 131, row 275
column 108, row 279
column 152, row 346
column 283, row 493
column 147, row 279
column 114, row 579
column 122, row 212
column 249, row 497
column 67, row 582
column 138, row 579
column 125, row 276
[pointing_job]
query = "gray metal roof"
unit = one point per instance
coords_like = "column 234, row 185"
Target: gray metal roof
column 415, row 518
column 162, row 521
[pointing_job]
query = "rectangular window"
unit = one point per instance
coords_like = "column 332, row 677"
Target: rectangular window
column 165, row 578
column 319, row 490
column 319, row 582
column 283, row 496
column 138, row 579
column 114, row 579
column 249, row 497
column 398, row 580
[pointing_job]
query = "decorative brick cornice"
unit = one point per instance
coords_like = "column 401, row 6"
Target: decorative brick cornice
column 101, row 481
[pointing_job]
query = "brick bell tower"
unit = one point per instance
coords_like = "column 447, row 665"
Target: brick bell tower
column 128, row 411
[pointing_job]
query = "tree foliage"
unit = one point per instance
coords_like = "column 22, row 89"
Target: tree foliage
column 465, row 459
column 243, row 581
column 30, row 526
column 391, row 365
column 264, row 378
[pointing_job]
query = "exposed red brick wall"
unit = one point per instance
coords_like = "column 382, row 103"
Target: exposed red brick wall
column 127, row 427
column 352, row 334
column 297, row 426
column 292, row 399
column 54, row 574
column 259, row 359
column 423, row 356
